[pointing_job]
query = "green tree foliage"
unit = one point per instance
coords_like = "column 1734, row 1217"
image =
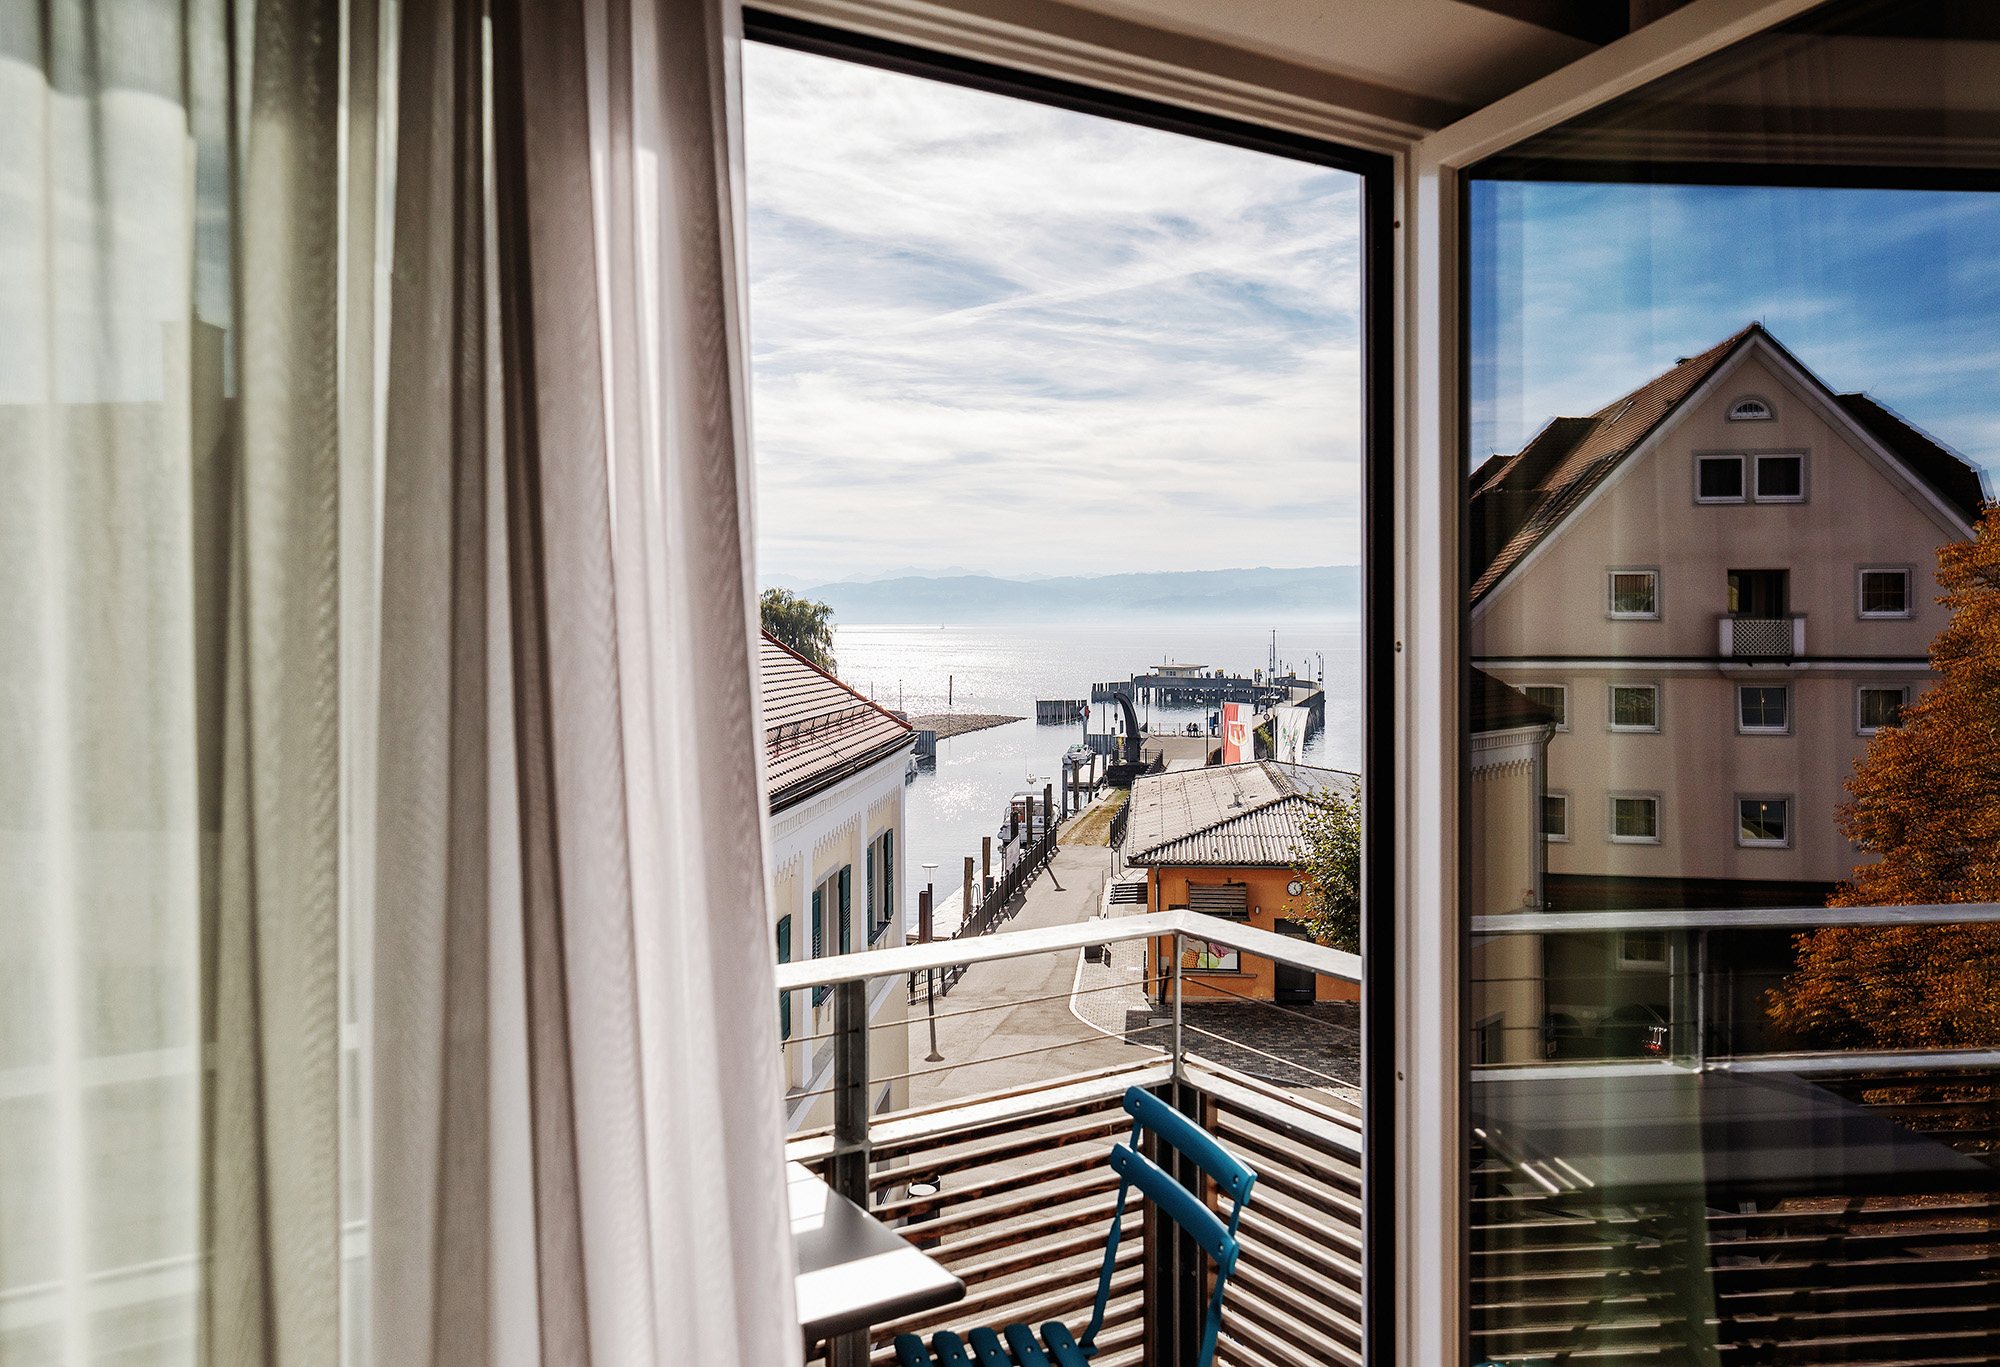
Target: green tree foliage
column 1330, row 860
column 800, row 624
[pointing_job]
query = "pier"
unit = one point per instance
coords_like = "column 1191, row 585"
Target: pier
column 1060, row 711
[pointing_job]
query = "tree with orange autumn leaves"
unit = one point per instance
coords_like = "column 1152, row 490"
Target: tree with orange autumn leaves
column 1926, row 799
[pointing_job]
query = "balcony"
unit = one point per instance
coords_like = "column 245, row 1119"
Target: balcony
column 1668, row 1167
column 1762, row 638
column 1022, row 1197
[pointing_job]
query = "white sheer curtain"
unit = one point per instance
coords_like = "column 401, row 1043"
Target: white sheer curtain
column 205, row 446
column 177, row 444
column 577, row 1140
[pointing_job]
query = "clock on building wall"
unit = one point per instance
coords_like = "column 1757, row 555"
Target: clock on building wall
column 1295, row 887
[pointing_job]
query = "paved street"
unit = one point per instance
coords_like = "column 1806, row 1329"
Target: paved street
column 1023, row 1003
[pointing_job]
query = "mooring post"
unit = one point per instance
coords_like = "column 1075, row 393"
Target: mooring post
column 968, row 887
column 985, row 865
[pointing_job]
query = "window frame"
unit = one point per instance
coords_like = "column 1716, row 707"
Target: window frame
column 1611, row 573
column 1611, row 801
column 1770, row 413
column 1860, row 726
column 1742, row 494
column 1562, row 688
column 1756, row 488
column 1277, row 119
column 1861, row 612
column 1611, row 722
column 1736, row 818
column 1744, row 729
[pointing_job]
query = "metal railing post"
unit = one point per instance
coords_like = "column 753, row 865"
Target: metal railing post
column 850, row 1091
column 1177, row 1009
column 850, row 1130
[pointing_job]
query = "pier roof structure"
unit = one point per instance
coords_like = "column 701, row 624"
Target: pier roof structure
column 817, row 730
column 1230, row 815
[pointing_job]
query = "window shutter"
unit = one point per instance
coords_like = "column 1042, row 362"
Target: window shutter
column 1219, row 899
column 846, row 894
column 785, row 998
column 871, row 886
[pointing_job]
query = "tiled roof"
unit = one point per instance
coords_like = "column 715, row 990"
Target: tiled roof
column 1231, row 815
column 1534, row 490
column 817, row 730
column 1519, row 499
column 1955, row 481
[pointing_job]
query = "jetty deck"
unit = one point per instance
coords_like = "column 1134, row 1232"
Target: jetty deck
column 949, row 724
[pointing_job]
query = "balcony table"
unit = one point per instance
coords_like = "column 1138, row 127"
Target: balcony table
column 855, row 1271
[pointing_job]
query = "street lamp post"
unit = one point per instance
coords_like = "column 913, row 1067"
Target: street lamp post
column 930, row 974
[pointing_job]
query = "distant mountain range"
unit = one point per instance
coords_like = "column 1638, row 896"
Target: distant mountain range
column 1257, row 595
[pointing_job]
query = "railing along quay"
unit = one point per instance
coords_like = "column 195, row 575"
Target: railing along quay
column 994, row 907
column 1024, row 1198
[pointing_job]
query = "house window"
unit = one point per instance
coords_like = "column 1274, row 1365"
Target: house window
column 784, row 957
column 1642, row 949
column 1635, row 818
column 1555, row 817
column 1635, row 707
column 1635, row 593
column 845, row 880
column 1885, row 592
column 1781, row 479
column 1555, row 697
column 1220, row 899
column 1763, row 708
column 1875, row 708
column 819, row 937
column 1763, row 822
column 1750, row 409
column 1718, row 479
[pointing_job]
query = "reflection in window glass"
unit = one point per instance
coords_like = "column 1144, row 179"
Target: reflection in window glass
column 1554, row 697
column 1762, row 820
column 1720, row 478
column 1885, row 593
column 1635, row 707
column 1555, row 816
column 1635, row 594
column 1762, row 708
column 1881, row 707
column 1725, row 1069
column 1635, row 818
column 1780, row 477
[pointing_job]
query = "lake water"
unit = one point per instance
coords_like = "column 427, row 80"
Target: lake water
column 1004, row 669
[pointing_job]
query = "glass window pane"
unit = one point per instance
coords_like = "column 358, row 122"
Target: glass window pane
column 1881, row 707
column 1555, row 698
column 1721, row 477
column 1635, row 706
column 1634, row 593
column 1885, row 592
column 1780, row 476
column 1735, row 330
column 1555, row 816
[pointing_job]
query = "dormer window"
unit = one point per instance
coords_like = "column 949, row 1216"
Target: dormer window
column 1750, row 409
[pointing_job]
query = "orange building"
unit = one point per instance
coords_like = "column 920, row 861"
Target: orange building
column 1223, row 841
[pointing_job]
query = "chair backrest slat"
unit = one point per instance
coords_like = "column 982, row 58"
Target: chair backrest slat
column 1177, row 1203
column 1225, row 1171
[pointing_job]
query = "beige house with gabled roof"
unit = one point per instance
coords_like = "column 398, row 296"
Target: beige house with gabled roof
column 1683, row 579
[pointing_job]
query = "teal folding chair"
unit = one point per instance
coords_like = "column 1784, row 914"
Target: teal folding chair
column 1173, row 1200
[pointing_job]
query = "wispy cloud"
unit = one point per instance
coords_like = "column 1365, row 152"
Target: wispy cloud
column 1584, row 291
column 996, row 334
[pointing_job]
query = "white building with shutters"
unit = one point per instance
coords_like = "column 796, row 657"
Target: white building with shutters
column 834, row 762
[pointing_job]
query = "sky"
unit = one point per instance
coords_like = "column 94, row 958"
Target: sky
column 1583, row 292
column 995, row 336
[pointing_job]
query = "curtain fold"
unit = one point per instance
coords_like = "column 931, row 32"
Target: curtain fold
column 572, row 1045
